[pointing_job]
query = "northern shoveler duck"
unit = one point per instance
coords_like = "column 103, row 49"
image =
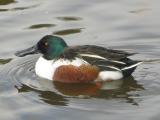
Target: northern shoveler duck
column 79, row 64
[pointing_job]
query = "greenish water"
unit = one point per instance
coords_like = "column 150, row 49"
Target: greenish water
column 125, row 25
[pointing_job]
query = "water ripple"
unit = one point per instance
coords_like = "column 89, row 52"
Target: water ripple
column 18, row 8
column 5, row 61
column 38, row 26
column 71, row 18
column 6, row 2
column 68, row 31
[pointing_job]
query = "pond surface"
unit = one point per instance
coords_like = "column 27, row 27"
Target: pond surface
column 125, row 25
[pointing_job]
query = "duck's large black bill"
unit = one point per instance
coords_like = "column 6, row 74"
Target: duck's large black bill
column 28, row 51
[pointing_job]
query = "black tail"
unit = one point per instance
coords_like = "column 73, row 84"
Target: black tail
column 130, row 68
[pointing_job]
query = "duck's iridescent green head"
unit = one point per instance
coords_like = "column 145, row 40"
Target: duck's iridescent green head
column 50, row 46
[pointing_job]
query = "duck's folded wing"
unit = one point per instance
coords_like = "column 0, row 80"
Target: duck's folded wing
column 101, row 52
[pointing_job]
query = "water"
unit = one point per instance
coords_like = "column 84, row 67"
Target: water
column 124, row 25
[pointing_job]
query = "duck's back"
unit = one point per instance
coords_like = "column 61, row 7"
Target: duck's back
column 100, row 51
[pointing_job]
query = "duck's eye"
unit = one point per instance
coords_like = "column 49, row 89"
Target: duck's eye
column 46, row 44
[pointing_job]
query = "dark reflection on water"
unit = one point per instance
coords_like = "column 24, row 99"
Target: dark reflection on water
column 5, row 61
column 46, row 96
column 69, row 18
column 38, row 26
column 68, row 31
column 18, row 8
column 2, row 10
column 139, row 11
column 6, row 2
column 23, row 8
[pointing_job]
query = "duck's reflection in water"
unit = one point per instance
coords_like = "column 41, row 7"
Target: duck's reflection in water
column 46, row 96
column 58, row 93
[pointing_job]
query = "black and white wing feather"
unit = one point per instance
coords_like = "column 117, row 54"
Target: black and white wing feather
column 105, row 59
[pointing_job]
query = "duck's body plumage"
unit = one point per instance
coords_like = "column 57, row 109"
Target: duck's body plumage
column 111, row 64
column 87, row 63
column 46, row 68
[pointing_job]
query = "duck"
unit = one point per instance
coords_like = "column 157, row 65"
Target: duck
column 79, row 64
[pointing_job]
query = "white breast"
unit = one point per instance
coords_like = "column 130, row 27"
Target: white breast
column 46, row 68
